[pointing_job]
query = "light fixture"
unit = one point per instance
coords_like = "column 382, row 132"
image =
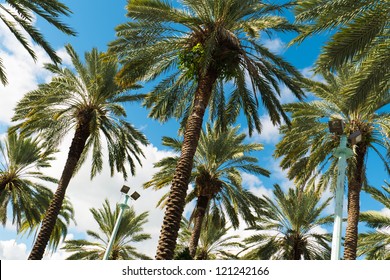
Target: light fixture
column 336, row 126
column 135, row 195
column 355, row 137
column 125, row 189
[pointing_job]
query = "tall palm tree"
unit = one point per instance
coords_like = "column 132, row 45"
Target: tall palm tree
column 129, row 232
column 375, row 245
column 363, row 29
column 60, row 231
column 86, row 103
column 218, row 160
column 214, row 243
column 287, row 227
column 18, row 17
column 202, row 46
column 21, row 159
column 307, row 146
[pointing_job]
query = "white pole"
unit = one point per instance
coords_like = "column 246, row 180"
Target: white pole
column 342, row 152
column 123, row 206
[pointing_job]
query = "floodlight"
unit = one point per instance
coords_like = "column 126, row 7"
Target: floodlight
column 336, row 126
column 135, row 195
column 125, row 189
column 355, row 137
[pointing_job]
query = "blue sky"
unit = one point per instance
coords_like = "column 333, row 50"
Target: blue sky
column 95, row 22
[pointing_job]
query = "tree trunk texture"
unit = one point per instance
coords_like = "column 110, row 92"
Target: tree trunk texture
column 354, row 187
column 200, row 211
column 76, row 148
column 176, row 201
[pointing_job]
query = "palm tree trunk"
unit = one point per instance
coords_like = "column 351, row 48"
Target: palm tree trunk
column 354, row 188
column 178, row 191
column 200, row 211
column 76, row 148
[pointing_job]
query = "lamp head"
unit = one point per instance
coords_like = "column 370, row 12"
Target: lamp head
column 135, row 195
column 336, row 126
column 125, row 189
column 355, row 137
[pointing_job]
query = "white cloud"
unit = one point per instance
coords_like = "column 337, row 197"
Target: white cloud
column 276, row 46
column 255, row 185
column 85, row 194
column 22, row 73
column 308, row 72
column 269, row 134
column 11, row 250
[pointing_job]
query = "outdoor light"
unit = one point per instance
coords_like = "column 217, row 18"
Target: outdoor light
column 336, row 126
column 123, row 206
column 355, row 137
column 135, row 195
column 342, row 152
column 125, row 189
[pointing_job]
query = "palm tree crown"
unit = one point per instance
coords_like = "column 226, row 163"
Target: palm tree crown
column 129, row 232
column 201, row 47
column 18, row 17
column 21, row 161
column 218, row 161
column 307, row 146
column 287, row 227
column 87, row 102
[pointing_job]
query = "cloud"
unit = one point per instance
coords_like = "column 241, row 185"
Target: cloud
column 11, row 250
column 308, row 72
column 86, row 194
column 255, row 185
column 22, row 73
column 276, row 45
column 269, row 134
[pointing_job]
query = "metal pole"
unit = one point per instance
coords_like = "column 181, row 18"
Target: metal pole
column 343, row 153
column 123, row 206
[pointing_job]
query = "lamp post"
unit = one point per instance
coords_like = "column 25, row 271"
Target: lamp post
column 342, row 152
column 123, row 206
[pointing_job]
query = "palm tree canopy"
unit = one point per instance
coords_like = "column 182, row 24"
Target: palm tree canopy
column 21, row 159
column 287, row 227
column 89, row 96
column 307, row 145
column 362, row 35
column 220, row 35
column 218, row 161
column 18, row 17
column 130, row 231
column 374, row 245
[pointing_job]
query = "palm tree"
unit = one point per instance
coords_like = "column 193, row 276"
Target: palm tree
column 362, row 35
column 374, row 245
column 21, row 160
column 287, row 227
column 88, row 103
column 60, row 230
column 218, row 160
column 307, row 146
column 129, row 232
column 203, row 46
column 214, row 243
column 18, row 17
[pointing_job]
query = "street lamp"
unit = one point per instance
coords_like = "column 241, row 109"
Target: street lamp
column 123, row 206
column 342, row 152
